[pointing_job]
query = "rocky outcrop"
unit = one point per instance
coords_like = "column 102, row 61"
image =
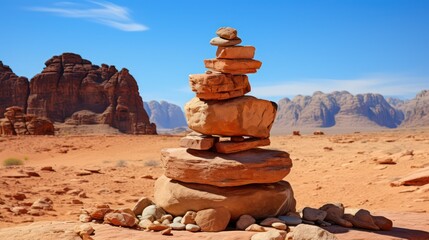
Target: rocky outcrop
column 165, row 115
column 73, row 90
column 13, row 89
column 17, row 123
column 416, row 110
column 337, row 109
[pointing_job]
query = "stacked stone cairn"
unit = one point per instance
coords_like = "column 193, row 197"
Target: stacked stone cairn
column 219, row 175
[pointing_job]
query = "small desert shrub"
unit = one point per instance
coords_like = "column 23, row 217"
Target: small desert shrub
column 12, row 162
column 121, row 163
column 151, row 163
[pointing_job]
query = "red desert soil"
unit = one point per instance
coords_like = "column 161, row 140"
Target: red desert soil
column 327, row 168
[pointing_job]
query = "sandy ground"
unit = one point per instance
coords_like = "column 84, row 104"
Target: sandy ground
column 327, row 168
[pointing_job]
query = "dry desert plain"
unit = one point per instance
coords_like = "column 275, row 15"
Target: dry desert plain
column 326, row 168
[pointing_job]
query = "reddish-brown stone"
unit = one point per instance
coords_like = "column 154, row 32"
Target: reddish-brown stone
column 17, row 123
column 13, row 89
column 69, row 84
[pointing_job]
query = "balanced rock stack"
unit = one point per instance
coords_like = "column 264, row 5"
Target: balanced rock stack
column 219, row 171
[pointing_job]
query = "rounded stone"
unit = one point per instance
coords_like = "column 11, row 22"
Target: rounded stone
column 291, row 220
column 221, row 42
column 192, row 228
column 257, row 200
column 177, row 226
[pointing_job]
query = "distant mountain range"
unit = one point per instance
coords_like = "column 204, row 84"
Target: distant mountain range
column 342, row 109
column 165, row 115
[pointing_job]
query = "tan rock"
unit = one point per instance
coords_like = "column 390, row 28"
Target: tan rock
column 213, row 219
column 122, row 219
column 272, row 199
column 335, row 213
column 417, row 178
column 242, row 116
column 279, row 226
column 157, row 227
column 221, row 42
column 270, row 235
column 233, row 66
column 83, row 229
column 219, row 86
column 44, row 203
column 189, row 217
column 227, row 32
column 201, row 142
column 233, row 147
column 307, row 232
column 255, row 228
column 225, row 170
column 244, row 221
column 145, row 223
column 236, row 52
column 141, row 204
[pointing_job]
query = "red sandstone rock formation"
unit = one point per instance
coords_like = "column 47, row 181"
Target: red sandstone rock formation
column 73, row 90
column 17, row 123
column 13, row 89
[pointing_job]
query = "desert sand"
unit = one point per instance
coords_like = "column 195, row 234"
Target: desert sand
column 326, row 168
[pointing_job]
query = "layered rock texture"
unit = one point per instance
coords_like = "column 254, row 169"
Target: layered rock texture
column 14, row 90
column 219, row 166
column 74, row 91
column 18, row 123
column 416, row 110
column 165, row 115
column 338, row 109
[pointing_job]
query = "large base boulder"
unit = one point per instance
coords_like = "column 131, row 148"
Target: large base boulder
column 225, row 170
column 257, row 200
column 242, row 116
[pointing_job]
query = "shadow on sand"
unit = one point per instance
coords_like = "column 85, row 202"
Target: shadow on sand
column 396, row 232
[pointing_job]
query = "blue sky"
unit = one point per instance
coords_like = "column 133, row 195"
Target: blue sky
column 379, row 46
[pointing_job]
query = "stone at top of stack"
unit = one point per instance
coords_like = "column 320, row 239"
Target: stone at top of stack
column 220, row 107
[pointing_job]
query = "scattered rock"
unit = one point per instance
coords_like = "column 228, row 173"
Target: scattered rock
column 312, row 214
column 157, row 227
column 383, row 223
column 189, row 217
column 335, row 213
column 83, row 229
column 47, row 168
column 145, row 223
column 362, row 219
column 255, row 228
column 177, row 226
column 309, row 232
column 85, row 218
column 99, row 211
column 417, row 178
column 279, row 226
column 119, row 218
column 19, row 196
column 192, row 228
column 269, row 221
column 166, row 232
column 270, row 235
column 386, row 161
column 19, row 210
column 141, row 204
column 44, row 203
column 213, row 220
column 290, row 220
column 153, row 212
column 244, row 221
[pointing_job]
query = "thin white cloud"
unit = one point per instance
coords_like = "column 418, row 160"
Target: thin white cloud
column 400, row 86
column 106, row 13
